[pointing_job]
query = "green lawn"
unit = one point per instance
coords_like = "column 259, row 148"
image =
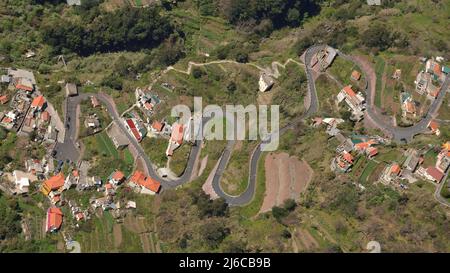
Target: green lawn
column 342, row 70
column 105, row 145
column 179, row 159
column 430, row 158
column 155, row 149
column 370, row 167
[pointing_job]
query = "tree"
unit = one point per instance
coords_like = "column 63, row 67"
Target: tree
column 113, row 81
column 279, row 213
column 197, row 73
column 214, row 233
column 293, row 17
column 9, row 218
column 231, row 87
column 127, row 28
column 377, row 36
column 242, row 57
column 289, row 204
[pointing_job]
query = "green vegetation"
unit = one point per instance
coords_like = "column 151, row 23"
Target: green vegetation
column 235, row 178
column 104, row 157
column 179, row 159
column 370, row 167
column 155, row 149
column 123, row 29
column 379, row 70
column 342, row 70
column 254, row 206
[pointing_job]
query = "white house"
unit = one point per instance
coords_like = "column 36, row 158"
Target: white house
column 265, row 82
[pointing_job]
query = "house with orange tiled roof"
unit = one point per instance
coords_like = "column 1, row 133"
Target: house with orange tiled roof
column 157, row 126
column 55, row 183
column 356, row 76
column 390, row 173
column 434, row 127
column 116, row 178
column 4, row 99
column 342, row 162
column 434, row 174
column 176, row 138
column 443, row 159
column 434, row 68
column 24, row 84
column 354, row 100
column 38, row 103
column 144, row 184
column 45, row 116
column 408, row 105
column 54, row 219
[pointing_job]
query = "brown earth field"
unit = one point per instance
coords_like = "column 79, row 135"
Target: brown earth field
column 286, row 178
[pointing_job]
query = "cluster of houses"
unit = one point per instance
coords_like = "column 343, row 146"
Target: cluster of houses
column 28, row 111
column 349, row 148
column 429, row 80
column 437, row 172
column 413, row 169
column 54, row 186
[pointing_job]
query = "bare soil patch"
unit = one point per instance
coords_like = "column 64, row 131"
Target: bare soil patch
column 286, row 178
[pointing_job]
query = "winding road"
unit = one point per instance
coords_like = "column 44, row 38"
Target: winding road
column 68, row 149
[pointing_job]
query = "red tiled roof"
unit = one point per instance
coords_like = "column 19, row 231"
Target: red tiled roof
column 372, row 151
column 133, row 129
column 118, row 175
column 79, row 216
column 38, row 102
column 45, row 116
column 356, row 75
column 362, row 145
column 54, row 218
column 75, row 173
column 437, row 70
column 177, row 133
column 3, row 99
column 395, row 169
column 435, row 173
column 94, row 101
column 158, row 126
column 24, row 87
column 7, row 120
column 348, row 157
column 348, row 89
column 410, row 107
column 148, row 106
column 139, row 178
column 55, row 182
column 433, row 125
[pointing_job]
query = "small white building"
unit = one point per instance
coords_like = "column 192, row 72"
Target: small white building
column 265, row 82
column 374, row 2
column 21, row 181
